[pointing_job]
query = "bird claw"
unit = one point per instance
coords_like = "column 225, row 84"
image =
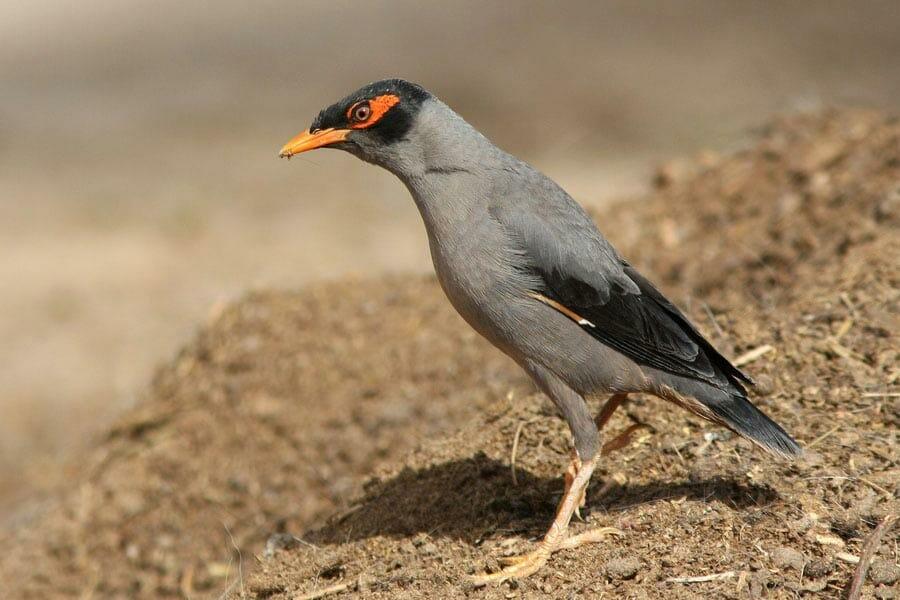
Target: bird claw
column 516, row 567
column 507, row 561
column 591, row 536
column 523, row 565
column 578, row 511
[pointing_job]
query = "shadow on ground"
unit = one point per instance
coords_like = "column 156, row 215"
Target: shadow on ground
column 472, row 498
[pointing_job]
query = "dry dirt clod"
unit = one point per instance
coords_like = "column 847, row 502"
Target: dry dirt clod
column 884, row 572
column 428, row 549
column 883, row 592
column 622, row 568
column 788, row 558
column 277, row 542
column 817, row 567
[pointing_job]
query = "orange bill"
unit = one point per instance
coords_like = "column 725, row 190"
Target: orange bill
column 309, row 140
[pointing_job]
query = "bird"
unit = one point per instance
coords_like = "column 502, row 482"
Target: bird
column 525, row 266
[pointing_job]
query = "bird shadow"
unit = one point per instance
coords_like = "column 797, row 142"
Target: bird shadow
column 470, row 499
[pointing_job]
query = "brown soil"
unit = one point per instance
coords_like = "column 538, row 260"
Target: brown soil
column 267, row 422
column 223, row 478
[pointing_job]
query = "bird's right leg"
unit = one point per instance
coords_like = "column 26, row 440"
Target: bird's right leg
column 586, row 437
column 557, row 537
column 569, row 476
column 620, row 441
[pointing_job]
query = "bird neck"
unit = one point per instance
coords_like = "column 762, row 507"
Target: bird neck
column 446, row 165
column 440, row 142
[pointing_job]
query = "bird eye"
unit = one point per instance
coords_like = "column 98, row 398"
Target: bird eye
column 361, row 112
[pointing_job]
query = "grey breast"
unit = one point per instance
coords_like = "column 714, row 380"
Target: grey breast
column 458, row 179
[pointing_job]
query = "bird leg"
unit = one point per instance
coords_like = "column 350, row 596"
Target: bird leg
column 618, row 442
column 614, row 402
column 621, row 440
column 557, row 536
column 569, row 476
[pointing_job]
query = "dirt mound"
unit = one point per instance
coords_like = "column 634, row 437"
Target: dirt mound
column 269, row 422
column 793, row 246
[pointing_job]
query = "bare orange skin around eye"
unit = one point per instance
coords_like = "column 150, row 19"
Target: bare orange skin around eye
column 379, row 105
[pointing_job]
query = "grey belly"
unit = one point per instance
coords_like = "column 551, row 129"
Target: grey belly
column 499, row 308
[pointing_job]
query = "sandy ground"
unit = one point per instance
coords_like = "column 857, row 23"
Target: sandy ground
column 243, row 470
column 139, row 185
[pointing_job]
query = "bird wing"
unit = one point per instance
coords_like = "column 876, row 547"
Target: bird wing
column 579, row 270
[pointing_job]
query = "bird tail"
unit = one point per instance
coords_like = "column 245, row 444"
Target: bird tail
column 733, row 410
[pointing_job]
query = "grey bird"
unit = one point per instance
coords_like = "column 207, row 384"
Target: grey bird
column 526, row 267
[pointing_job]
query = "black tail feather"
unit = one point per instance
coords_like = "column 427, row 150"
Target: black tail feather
column 730, row 408
column 738, row 414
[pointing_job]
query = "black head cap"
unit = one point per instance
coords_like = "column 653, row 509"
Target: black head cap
column 392, row 124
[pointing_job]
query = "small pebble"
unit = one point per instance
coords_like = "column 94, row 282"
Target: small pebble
column 623, row 568
column 884, row 572
column 788, row 557
column 764, row 385
column 277, row 542
column 883, row 592
column 428, row 549
column 818, row 568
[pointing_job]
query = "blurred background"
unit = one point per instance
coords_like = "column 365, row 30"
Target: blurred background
column 140, row 187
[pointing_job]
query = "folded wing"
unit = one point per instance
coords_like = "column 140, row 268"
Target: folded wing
column 623, row 309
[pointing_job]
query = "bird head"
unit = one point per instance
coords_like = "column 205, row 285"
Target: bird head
column 365, row 123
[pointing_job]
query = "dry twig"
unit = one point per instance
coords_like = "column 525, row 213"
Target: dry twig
column 240, row 577
column 871, row 545
column 712, row 318
column 750, row 356
column 871, row 484
column 702, row 578
column 333, row 589
column 823, row 436
column 515, row 449
column 844, row 328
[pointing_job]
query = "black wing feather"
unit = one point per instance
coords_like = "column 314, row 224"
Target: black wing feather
column 586, row 275
column 650, row 330
column 672, row 311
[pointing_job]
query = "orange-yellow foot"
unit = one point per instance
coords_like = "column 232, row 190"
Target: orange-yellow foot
column 557, row 537
column 523, row 565
column 591, row 536
column 516, row 567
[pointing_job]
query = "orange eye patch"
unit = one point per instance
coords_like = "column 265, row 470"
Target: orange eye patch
column 368, row 112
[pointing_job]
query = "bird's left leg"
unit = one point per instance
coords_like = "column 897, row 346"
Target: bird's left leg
column 584, row 430
column 621, row 440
